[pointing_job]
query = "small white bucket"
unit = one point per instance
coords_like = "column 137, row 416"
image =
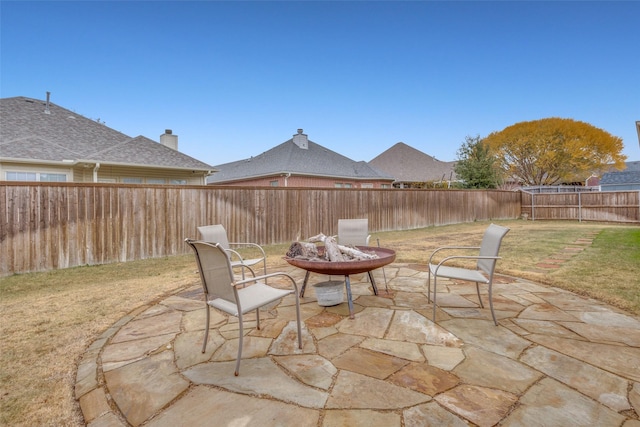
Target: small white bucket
column 329, row 293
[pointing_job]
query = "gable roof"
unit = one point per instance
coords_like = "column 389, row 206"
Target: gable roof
column 42, row 132
column 407, row 164
column 308, row 159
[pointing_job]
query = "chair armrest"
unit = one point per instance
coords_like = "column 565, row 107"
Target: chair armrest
column 255, row 279
column 463, row 257
column 253, row 245
column 232, row 252
column 451, row 247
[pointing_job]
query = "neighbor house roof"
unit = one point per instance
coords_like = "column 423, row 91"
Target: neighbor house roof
column 407, row 164
column 627, row 179
column 617, row 178
column 632, row 166
column 298, row 156
column 38, row 131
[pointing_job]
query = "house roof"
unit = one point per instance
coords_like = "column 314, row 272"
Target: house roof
column 407, row 164
column 632, row 166
column 629, row 175
column 35, row 131
column 617, row 178
column 306, row 158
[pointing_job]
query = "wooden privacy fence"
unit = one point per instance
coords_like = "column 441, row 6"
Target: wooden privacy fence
column 57, row 225
column 618, row 206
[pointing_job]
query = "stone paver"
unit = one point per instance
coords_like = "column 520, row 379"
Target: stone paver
column 608, row 389
column 555, row 359
column 481, row 405
column 550, row 403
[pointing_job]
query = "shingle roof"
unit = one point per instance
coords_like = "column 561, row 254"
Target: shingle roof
column 632, row 166
column 617, row 178
column 288, row 157
column 407, row 164
column 27, row 132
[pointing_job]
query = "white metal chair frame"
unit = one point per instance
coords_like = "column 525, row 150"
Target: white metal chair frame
column 487, row 260
column 217, row 234
column 235, row 298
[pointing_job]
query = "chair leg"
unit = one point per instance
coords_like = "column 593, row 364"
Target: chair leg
column 478, row 291
column 435, row 284
column 429, row 286
column 242, row 267
column 491, row 305
column 206, row 331
column 241, row 329
column 258, row 318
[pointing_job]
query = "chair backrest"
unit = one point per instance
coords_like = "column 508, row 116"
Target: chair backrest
column 353, row 232
column 215, row 269
column 214, row 234
column 490, row 246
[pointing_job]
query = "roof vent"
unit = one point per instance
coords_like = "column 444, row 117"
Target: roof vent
column 301, row 140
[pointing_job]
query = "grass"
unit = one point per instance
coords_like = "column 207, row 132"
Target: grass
column 49, row 319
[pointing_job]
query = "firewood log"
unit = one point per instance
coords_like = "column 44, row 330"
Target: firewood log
column 332, row 250
column 356, row 254
column 331, row 247
column 303, row 250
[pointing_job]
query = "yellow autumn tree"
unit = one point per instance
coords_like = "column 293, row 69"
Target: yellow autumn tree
column 555, row 150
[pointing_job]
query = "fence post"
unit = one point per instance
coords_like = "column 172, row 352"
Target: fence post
column 579, row 207
column 533, row 215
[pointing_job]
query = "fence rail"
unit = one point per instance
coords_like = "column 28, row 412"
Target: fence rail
column 615, row 206
column 47, row 226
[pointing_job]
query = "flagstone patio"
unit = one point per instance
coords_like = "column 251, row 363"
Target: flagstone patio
column 556, row 359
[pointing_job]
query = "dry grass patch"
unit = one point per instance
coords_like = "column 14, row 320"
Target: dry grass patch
column 49, row 319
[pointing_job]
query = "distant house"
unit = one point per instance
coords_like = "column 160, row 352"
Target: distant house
column 625, row 180
column 40, row 141
column 412, row 168
column 300, row 162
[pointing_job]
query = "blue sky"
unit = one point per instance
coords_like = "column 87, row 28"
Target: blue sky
column 234, row 79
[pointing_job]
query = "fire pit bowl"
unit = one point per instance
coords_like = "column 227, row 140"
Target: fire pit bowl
column 385, row 256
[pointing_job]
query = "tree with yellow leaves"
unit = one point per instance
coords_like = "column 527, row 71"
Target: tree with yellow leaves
column 554, row 150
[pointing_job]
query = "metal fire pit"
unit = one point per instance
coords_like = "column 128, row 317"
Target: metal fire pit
column 346, row 268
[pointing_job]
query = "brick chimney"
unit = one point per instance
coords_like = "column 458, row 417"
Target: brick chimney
column 301, row 140
column 168, row 139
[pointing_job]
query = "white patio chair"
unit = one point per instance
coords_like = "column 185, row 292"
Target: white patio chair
column 483, row 273
column 217, row 234
column 353, row 232
column 235, row 298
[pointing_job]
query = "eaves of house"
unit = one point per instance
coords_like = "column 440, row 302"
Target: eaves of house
column 297, row 156
column 35, row 131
